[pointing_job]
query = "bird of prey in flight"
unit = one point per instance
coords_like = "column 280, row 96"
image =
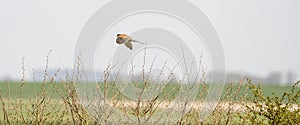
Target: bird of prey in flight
column 127, row 40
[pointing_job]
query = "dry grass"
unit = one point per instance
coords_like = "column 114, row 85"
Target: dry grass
column 110, row 106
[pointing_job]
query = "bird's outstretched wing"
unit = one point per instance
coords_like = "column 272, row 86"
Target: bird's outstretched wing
column 128, row 45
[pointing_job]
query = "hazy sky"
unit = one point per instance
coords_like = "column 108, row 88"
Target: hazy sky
column 258, row 36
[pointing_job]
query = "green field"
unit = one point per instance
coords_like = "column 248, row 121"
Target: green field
column 31, row 89
column 57, row 103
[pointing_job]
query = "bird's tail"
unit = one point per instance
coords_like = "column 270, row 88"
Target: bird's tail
column 139, row 42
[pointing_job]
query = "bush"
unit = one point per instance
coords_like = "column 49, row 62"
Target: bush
column 273, row 109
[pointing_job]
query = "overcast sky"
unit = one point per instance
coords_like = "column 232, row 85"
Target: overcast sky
column 258, row 36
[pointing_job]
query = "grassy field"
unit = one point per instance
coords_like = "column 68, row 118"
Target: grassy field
column 31, row 89
column 65, row 102
column 57, row 103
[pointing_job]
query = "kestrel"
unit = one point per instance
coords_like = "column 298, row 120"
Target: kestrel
column 126, row 39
